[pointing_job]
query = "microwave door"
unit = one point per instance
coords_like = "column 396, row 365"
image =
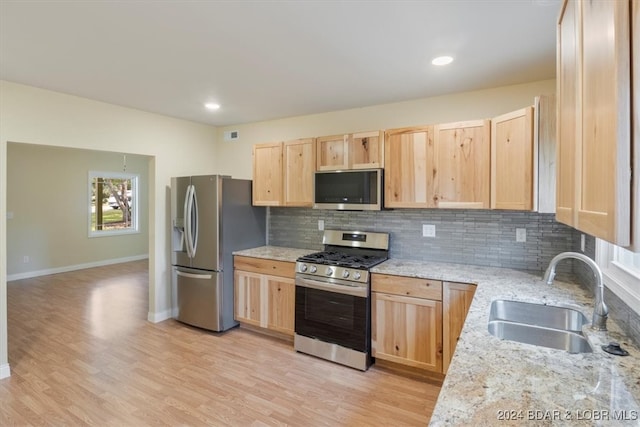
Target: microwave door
column 348, row 190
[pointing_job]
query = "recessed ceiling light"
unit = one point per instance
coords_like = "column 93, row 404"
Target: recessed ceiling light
column 442, row 60
column 211, row 106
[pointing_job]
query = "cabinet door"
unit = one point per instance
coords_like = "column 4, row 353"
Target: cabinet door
column 409, row 168
column 299, row 165
column 594, row 87
column 267, row 174
column 248, row 298
column 604, row 193
column 281, row 304
column 332, row 152
column 456, row 300
column 462, row 155
column 366, row 150
column 407, row 330
column 512, row 160
column 568, row 129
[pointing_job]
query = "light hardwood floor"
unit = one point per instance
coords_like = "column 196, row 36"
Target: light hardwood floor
column 82, row 353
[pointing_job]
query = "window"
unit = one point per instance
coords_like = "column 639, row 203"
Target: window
column 621, row 272
column 113, row 203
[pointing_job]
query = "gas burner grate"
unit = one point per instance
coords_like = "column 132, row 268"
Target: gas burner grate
column 343, row 259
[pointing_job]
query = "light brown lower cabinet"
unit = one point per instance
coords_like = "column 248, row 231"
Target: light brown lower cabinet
column 264, row 300
column 417, row 322
column 407, row 330
column 406, row 325
column 456, row 300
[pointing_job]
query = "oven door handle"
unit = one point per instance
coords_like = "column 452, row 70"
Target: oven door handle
column 356, row 291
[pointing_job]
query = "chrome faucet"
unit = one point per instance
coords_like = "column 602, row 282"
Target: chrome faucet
column 600, row 311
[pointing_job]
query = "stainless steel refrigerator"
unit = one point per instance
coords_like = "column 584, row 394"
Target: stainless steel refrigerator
column 212, row 217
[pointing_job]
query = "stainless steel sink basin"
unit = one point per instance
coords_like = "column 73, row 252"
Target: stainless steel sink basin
column 538, row 324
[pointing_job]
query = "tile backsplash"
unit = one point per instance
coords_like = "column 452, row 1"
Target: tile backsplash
column 480, row 237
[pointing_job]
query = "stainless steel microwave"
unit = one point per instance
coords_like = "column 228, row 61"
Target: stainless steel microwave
column 355, row 190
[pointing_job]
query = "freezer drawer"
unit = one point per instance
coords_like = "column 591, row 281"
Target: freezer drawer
column 200, row 298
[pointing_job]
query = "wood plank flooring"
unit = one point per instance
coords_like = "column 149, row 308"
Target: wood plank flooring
column 82, row 353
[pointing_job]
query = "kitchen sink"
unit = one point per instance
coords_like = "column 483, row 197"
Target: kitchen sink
column 543, row 325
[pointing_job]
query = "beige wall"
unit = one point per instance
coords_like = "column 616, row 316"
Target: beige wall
column 177, row 147
column 47, row 195
column 236, row 156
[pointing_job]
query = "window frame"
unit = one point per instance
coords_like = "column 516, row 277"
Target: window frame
column 620, row 280
column 135, row 204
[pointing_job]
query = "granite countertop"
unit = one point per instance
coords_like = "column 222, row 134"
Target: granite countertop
column 495, row 382
column 277, row 253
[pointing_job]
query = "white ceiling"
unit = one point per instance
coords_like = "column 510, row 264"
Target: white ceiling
column 271, row 59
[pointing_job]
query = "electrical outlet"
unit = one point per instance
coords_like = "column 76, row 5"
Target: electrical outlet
column 321, row 224
column 25, row 259
column 521, row 234
column 582, row 242
column 428, row 230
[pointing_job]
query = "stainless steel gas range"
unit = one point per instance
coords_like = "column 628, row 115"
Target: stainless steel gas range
column 333, row 309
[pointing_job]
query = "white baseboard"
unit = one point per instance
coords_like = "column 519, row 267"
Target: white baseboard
column 30, row 274
column 159, row 316
column 5, row 372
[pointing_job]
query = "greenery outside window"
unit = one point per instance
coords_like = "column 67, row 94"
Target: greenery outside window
column 113, row 203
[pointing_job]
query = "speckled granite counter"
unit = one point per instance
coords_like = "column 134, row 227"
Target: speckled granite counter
column 494, row 382
column 277, row 253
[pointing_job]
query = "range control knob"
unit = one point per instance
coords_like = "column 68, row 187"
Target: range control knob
column 303, row 267
column 329, row 271
column 313, row 269
column 345, row 274
column 357, row 275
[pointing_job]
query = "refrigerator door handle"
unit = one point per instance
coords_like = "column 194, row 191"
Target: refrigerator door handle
column 186, row 221
column 194, row 276
column 188, row 207
column 194, row 235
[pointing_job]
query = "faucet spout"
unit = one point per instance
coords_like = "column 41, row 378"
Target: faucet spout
column 600, row 311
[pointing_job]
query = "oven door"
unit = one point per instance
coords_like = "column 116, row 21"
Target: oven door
column 333, row 312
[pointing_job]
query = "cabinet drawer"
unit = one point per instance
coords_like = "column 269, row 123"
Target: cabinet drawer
column 265, row 266
column 409, row 286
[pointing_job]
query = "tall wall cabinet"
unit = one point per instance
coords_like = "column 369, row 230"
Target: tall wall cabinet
column 478, row 164
column 408, row 181
column 512, row 160
column 461, row 165
column 594, row 179
column 283, row 173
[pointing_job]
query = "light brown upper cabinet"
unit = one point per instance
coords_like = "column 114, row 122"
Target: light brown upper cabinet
column 512, row 160
column 366, row 150
column 461, row 165
column 267, row 174
column 363, row 150
column 283, row 173
column 409, row 168
column 594, row 137
column 333, row 152
column 299, row 165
